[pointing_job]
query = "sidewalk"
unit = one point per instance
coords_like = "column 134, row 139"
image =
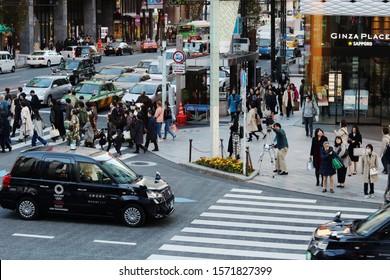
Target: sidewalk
column 299, row 179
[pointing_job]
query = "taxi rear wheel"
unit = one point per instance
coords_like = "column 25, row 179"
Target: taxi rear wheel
column 133, row 215
column 27, row 208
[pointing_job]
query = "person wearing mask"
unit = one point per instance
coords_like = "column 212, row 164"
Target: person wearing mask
column 315, row 153
column 309, row 111
column 159, row 115
column 282, row 146
column 327, row 170
column 370, row 162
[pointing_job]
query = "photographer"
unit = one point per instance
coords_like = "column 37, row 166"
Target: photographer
column 282, row 146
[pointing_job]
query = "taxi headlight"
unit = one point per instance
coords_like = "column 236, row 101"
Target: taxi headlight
column 157, row 197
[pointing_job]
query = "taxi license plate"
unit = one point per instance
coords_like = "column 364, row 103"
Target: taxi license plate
column 308, row 255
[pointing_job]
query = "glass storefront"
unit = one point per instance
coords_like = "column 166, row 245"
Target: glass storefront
column 348, row 67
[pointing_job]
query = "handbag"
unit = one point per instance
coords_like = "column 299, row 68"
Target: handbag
column 126, row 135
column 336, row 163
column 316, row 118
column 310, row 165
column 54, row 132
column 173, row 128
column 373, row 171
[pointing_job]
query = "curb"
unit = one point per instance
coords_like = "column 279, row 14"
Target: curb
column 222, row 174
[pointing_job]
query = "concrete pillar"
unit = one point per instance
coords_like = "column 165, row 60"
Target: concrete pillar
column 27, row 35
column 60, row 21
column 90, row 19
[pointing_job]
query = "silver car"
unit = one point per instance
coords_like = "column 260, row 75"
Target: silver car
column 47, row 88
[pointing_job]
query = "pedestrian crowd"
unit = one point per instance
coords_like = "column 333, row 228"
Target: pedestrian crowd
column 76, row 120
column 333, row 158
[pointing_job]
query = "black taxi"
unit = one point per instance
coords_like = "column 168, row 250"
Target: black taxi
column 85, row 181
column 367, row 238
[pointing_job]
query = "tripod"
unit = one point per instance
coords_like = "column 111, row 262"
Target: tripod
column 269, row 149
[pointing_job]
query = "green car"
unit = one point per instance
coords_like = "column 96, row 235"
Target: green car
column 100, row 92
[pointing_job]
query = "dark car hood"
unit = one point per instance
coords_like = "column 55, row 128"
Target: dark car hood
column 151, row 184
column 336, row 229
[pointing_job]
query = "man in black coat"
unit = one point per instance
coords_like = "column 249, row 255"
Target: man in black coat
column 35, row 103
column 151, row 133
column 57, row 118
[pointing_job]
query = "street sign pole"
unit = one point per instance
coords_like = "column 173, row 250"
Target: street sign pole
column 214, row 80
column 164, row 72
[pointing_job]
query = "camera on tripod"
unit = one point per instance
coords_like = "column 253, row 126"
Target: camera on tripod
column 268, row 121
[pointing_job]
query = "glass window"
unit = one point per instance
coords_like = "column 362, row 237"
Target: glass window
column 91, row 173
column 122, row 173
column 39, row 83
column 24, row 167
column 58, row 169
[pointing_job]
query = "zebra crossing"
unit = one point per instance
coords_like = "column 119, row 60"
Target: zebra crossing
column 245, row 224
column 16, row 145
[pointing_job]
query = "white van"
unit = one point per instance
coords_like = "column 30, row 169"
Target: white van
column 155, row 72
column 7, row 63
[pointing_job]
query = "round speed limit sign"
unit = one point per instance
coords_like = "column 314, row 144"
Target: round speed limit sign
column 179, row 57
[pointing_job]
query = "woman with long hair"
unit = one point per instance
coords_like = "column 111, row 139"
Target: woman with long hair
column 354, row 140
column 315, row 152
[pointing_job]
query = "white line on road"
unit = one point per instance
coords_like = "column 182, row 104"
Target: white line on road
column 253, row 225
column 33, row 235
column 285, row 212
column 247, row 191
column 115, row 242
column 302, row 206
column 169, row 257
column 231, row 252
column 271, row 198
column 241, row 233
column 236, row 242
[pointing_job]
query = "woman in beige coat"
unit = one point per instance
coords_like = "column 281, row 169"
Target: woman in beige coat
column 369, row 160
column 27, row 127
column 251, row 122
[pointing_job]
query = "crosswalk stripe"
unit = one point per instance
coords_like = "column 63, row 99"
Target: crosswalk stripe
column 246, row 191
column 247, row 233
column 271, row 198
column 253, row 225
column 169, row 257
column 263, row 218
column 232, row 252
column 285, row 205
column 237, row 242
column 284, row 212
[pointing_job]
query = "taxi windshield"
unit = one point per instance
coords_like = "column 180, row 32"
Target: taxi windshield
column 365, row 226
column 148, row 89
column 110, row 71
column 68, row 65
column 87, row 88
column 129, row 79
column 122, row 173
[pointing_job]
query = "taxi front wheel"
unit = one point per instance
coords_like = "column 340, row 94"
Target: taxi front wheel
column 27, row 208
column 133, row 215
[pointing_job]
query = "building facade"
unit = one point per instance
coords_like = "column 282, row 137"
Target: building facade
column 347, row 63
column 56, row 20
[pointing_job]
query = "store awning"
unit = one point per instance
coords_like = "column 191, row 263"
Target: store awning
column 4, row 28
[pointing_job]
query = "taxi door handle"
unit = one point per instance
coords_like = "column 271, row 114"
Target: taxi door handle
column 82, row 190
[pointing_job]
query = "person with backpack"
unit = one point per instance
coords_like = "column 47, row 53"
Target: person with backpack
column 168, row 121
